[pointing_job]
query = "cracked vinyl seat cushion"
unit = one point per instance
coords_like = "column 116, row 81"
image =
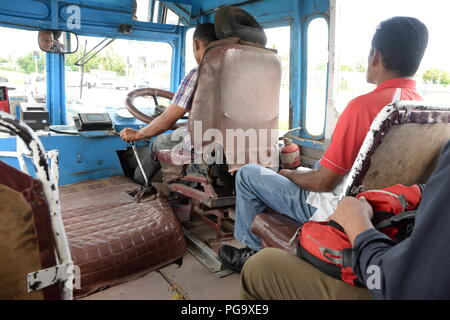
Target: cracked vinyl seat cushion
column 114, row 239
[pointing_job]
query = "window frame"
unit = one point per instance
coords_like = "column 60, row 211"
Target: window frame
column 59, row 67
column 304, row 88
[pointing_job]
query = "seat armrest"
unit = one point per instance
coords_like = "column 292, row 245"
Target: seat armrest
column 275, row 230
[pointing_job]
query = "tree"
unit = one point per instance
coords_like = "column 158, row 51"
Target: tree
column 27, row 63
column 361, row 67
column 436, row 76
column 106, row 60
column 345, row 67
column 431, row 76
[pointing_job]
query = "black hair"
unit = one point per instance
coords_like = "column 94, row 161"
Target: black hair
column 56, row 33
column 205, row 33
column 402, row 42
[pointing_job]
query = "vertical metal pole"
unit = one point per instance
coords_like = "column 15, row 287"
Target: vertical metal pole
column 82, row 70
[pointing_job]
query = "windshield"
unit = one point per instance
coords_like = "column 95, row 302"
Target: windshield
column 22, row 68
column 123, row 66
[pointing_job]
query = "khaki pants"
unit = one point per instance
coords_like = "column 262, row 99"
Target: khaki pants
column 273, row 274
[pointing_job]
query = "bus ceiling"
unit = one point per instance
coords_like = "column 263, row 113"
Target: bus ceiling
column 88, row 16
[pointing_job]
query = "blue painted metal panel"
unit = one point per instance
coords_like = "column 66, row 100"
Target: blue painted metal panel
column 80, row 158
column 93, row 158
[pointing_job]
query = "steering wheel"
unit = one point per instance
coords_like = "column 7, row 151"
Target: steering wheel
column 153, row 92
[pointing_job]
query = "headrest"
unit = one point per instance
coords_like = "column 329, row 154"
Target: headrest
column 235, row 22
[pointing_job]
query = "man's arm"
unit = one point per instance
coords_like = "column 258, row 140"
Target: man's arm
column 319, row 180
column 161, row 124
column 369, row 245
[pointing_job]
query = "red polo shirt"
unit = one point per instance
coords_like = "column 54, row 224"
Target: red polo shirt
column 355, row 122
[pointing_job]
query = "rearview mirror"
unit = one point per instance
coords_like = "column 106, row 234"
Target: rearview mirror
column 56, row 41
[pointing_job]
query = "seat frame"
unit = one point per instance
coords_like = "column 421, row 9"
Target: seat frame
column 402, row 112
column 201, row 203
column 46, row 170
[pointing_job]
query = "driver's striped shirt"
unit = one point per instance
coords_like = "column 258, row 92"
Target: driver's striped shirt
column 185, row 93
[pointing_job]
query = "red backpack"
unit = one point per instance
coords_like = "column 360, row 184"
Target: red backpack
column 326, row 246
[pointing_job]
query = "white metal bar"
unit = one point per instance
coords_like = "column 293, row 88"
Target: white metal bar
column 41, row 164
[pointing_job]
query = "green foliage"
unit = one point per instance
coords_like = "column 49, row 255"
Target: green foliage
column 437, row 76
column 361, row 67
column 346, row 68
column 27, row 63
column 107, row 60
column 322, row 66
column 358, row 67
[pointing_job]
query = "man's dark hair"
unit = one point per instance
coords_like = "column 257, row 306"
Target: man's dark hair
column 402, row 42
column 205, row 33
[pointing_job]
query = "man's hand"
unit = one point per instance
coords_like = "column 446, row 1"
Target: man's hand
column 129, row 135
column 318, row 180
column 354, row 216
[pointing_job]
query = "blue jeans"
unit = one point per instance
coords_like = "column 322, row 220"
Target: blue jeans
column 258, row 188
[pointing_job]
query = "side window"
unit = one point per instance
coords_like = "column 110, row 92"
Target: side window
column 172, row 18
column 122, row 66
column 433, row 76
column 190, row 62
column 317, row 72
column 279, row 39
column 22, row 68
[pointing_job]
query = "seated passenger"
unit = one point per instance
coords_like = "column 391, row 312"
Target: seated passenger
column 417, row 268
column 398, row 47
column 180, row 105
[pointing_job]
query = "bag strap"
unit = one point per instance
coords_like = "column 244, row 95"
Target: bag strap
column 406, row 215
column 338, row 257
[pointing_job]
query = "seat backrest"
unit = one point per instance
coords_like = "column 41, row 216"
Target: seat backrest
column 27, row 244
column 402, row 146
column 238, row 88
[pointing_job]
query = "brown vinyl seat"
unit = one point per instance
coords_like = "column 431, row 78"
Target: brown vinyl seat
column 100, row 231
column 238, row 89
column 25, row 235
column 402, row 146
column 112, row 238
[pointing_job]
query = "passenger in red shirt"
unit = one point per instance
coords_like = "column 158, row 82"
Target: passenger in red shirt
column 355, row 121
column 398, row 47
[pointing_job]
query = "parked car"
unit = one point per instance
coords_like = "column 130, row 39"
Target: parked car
column 122, row 83
column 101, row 79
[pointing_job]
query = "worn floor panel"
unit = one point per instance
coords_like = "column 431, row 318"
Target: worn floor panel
column 149, row 287
column 198, row 283
column 192, row 281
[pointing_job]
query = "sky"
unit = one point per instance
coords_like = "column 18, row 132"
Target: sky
column 358, row 19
